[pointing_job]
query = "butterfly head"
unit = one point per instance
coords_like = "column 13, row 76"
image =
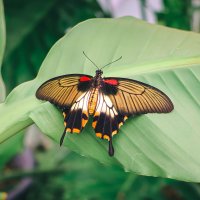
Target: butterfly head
column 99, row 72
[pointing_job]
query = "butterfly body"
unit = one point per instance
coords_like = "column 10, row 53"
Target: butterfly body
column 109, row 100
column 93, row 100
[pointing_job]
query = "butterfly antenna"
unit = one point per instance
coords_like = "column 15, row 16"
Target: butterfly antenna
column 90, row 60
column 112, row 62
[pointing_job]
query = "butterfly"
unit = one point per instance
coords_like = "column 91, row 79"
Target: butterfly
column 109, row 100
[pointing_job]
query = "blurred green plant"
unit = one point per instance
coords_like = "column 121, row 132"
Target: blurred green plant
column 2, row 47
column 70, row 176
column 34, row 28
column 176, row 14
column 11, row 147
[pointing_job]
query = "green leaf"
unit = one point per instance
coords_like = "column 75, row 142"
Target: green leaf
column 165, row 145
column 19, row 29
column 9, row 148
column 22, row 38
column 30, row 33
column 2, row 47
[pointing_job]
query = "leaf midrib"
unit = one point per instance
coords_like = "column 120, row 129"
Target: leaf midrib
column 159, row 66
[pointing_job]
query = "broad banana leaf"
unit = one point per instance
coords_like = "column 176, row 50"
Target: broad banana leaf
column 165, row 145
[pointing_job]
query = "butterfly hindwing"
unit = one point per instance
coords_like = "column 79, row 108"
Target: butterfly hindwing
column 133, row 97
column 107, row 120
column 77, row 116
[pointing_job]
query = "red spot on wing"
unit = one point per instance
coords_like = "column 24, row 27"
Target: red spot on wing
column 84, row 78
column 111, row 81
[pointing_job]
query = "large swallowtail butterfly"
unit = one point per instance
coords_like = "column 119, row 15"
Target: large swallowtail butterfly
column 109, row 100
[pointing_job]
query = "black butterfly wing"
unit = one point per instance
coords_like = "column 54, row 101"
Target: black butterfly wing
column 71, row 94
column 131, row 97
column 107, row 120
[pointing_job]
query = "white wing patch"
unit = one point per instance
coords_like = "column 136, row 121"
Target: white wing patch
column 82, row 102
column 104, row 105
column 77, row 117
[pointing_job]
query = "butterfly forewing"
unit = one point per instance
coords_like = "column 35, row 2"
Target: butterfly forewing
column 70, row 94
column 134, row 97
column 63, row 91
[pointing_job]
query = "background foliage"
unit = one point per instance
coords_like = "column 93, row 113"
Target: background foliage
column 31, row 31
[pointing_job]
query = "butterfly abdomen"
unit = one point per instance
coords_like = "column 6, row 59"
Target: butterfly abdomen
column 93, row 101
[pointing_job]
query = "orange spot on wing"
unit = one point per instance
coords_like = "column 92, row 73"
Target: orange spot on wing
column 64, row 114
column 99, row 135
column 65, row 124
column 94, row 124
column 125, row 118
column 69, row 130
column 84, row 122
column 120, row 124
column 75, row 130
column 106, row 137
column 114, row 132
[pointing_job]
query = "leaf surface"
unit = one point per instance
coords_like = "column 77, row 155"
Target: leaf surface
column 2, row 47
column 165, row 145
